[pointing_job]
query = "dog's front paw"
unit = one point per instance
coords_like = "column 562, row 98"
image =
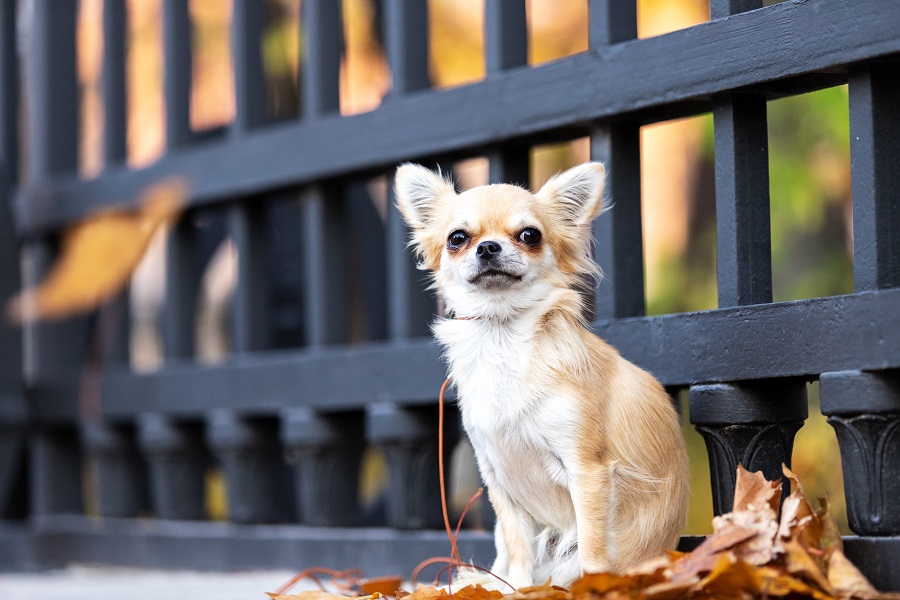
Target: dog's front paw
column 519, row 578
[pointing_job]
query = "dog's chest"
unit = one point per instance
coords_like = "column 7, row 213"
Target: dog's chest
column 520, row 430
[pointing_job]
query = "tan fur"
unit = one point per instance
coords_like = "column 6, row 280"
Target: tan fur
column 563, row 427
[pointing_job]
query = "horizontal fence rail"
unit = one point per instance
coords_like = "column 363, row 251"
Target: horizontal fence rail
column 329, row 357
column 786, row 48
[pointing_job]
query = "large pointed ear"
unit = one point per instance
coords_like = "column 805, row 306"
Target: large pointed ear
column 418, row 190
column 578, row 192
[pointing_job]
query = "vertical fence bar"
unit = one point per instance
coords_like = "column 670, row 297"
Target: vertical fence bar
column 618, row 234
column 752, row 424
column 249, row 322
column 744, row 248
column 325, row 301
column 719, row 9
column 13, row 412
column 322, row 249
column 406, row 43
column 874, row 147
column 247, row 222
column 113, row 81
column 246, row 55
column 323, row 33
column 181, row 291
column 177, row 72
column 181, row 284
column 53, row 131
column 611, row 22
column 409, row 449
column 506, row 35
column 113, row 319
column 743, row 233
column 618, row 246
column 506, row 47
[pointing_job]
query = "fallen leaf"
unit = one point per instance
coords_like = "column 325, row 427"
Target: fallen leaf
column 705, row 556
column 668, row 590
column 98, row 256
column 386, row 586
column 776, row 583
column 546, row 591
column 759, row 548
column 848, row 582
column 799, row 563
column 752, row 490
column 731, row 577
column 426, row 592
column 601, row 583
column 798, row 518
column 319, row 595
column 476, row 592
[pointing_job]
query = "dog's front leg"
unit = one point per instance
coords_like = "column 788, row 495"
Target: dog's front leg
column 592, row 497
column 518, row 539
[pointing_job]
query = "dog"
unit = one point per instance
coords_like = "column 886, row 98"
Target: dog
column 581, row 451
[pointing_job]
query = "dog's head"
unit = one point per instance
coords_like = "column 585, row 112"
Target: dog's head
column 502, row 243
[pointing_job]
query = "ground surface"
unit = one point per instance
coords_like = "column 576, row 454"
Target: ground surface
column 105, row 583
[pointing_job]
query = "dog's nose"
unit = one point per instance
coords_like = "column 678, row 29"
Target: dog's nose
column 487, row 250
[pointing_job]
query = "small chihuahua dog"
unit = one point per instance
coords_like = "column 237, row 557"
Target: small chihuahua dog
column 581, row 450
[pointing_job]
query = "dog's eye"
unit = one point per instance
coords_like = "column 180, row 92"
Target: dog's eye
column 530, row 236
column 457, row 238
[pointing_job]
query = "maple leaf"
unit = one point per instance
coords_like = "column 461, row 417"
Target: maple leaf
column 98, row 256
column 752, row 490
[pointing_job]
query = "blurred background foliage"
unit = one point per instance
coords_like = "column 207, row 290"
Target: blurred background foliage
column 808, row 160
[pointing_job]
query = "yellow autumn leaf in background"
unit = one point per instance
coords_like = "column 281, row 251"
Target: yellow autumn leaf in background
column 98, row 256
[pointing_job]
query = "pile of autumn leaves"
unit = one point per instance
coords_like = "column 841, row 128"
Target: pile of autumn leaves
column 751, row 554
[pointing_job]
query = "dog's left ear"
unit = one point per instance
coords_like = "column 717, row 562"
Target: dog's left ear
column 418, row 191
column 578, row 192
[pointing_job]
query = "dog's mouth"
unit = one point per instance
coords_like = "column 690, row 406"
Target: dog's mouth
column 495, row 278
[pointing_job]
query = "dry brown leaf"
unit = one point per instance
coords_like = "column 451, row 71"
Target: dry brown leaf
column 319, row 595
column 800, row 564
column 752, row 490
column 848, row 582
column 98, row 257
column 476, row 592
column 669, row 590
column 798, row 518
column 426, row 592
column 386, row 586
column 830, row 539
column 758, row 549
column 729, row 578
column 694, row 564
column 776, row 583
column 601, row 583
column 546, row 591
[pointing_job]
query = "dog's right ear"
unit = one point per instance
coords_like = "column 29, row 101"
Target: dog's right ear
column 418, row 190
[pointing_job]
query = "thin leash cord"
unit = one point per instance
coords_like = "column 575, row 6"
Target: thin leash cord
column 454, row 551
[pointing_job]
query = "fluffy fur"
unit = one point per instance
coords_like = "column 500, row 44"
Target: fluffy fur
column 581, row 451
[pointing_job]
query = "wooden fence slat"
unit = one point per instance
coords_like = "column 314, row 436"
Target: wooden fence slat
column 113, row 82
column 743, row 232
column 874, row 148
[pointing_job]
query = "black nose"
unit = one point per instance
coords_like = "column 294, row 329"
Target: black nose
column 487, row 250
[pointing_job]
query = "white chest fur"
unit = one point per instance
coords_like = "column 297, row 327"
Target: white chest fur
column 520, row 431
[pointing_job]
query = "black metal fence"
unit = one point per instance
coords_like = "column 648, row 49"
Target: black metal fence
column 320, row 399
